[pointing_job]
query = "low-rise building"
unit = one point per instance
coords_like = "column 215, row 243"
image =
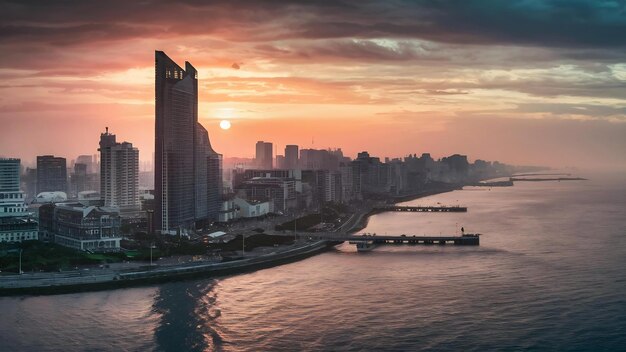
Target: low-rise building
column 280, row 191
column 18, row 229
column 50, row 197
column 90, row 198
column 251, row 208
column 228, row 211
column 86, row 227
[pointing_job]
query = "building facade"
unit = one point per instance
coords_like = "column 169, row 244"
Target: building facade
column 291, row 157
column 320, row 159
column 280, row 191
column 119, row 173
column 250, row 208
column 264, row 155
column 11, row 198
column 228, row 210
column 51, row 174
column 208, row 178
column 180, row 178
column 16, row 224
column 84, row 227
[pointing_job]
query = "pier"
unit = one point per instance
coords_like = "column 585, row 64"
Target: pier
column 493, row 184
column 464, row 240
column 542, row 174
column 419, row 209
column 517, row 179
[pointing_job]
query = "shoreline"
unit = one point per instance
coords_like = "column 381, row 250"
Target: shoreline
column 135, row 278
column 50, row 285
column 364, row 217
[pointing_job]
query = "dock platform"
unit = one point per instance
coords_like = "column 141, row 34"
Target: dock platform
column 464, row 240
column 421, row 209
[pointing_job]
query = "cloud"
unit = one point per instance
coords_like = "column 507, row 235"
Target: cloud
column 341, row 60
column 587, row 110
column 560, row 23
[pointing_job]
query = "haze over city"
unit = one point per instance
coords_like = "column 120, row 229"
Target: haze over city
column 523, row 82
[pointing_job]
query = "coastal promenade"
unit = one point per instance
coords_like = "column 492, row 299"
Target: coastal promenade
column 47, row 283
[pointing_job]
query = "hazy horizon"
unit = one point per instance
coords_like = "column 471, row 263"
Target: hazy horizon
column 545, row 87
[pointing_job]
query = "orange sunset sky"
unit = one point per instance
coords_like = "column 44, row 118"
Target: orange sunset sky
column 522, row 82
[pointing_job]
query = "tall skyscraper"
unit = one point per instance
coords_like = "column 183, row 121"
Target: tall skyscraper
column 51, row 174
column 179, row 176
column 291, row 157
column 264, row 155
column 119, row 172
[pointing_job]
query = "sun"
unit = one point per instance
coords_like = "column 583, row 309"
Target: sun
column 225, row 124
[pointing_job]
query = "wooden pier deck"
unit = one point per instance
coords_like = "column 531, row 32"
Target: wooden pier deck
column 464, row 240
column 421, row 209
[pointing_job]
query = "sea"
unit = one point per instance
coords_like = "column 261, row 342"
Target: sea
column 549, row 275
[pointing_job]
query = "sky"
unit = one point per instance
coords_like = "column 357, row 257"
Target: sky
column 531, row 82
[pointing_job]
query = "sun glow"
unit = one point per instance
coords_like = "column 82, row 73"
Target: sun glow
column 224, row 124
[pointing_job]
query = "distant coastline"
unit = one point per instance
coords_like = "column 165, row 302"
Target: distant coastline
column 362, row 222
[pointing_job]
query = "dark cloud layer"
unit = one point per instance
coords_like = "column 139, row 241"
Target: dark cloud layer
column 556, row 23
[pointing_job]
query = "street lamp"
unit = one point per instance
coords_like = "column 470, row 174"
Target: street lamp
column 151, row 246
column 20, row 267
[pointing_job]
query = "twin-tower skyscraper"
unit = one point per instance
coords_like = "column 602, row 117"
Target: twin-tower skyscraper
column 188, row 172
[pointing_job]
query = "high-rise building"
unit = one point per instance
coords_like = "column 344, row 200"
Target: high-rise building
column 29, row 183
column 9, row 175
column 179, row 174
column 88, row 161
column 11, row 198
column 264, row 155
column 280, row 161
column 176, row 117
column 291, row 156
column 119, row 173
column 51, row 174
column 208, row 178
column 79, row 178
column 370, row 176
column 320, row 159
column 15, row 223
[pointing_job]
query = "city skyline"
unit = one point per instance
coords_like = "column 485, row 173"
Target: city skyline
column 431, row 77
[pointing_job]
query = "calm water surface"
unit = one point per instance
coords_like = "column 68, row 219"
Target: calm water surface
column 550, row 274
